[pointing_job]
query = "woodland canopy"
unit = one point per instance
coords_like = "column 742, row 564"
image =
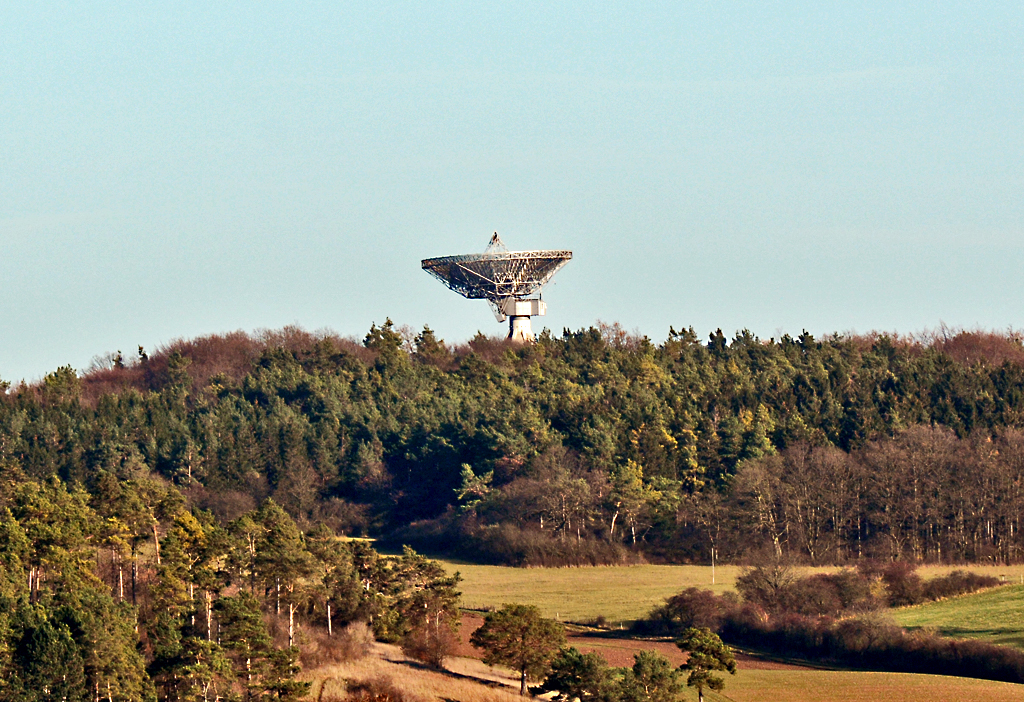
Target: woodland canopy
column 593, row 446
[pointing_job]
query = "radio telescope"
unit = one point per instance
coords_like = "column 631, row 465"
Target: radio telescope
column 504, row 278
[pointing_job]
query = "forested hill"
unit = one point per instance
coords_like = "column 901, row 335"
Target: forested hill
column 578, row 448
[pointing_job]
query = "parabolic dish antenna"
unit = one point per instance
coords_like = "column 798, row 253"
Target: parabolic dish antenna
column 504, row 278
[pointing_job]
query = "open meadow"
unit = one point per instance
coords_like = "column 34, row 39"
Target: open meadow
column 617, row 593
column 995, row 615
column 622, row 594
column 857, row 686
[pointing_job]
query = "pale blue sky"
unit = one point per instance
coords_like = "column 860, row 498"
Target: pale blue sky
column 174, row 169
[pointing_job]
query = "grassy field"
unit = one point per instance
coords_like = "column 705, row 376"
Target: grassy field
column 848, row 686
column 1011, row 574
column 618, row 593
column 995, row 615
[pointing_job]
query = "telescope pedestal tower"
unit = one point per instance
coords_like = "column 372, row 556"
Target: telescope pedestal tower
column 519, row 313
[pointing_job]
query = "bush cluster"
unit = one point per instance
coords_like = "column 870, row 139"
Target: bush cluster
column 831, row 617
column 903, row 586
column 693, row 607
column 351, row 643
column 510, row 544
column 774, row 588
column 378, row 689
column 872, row 644
column 824, row 594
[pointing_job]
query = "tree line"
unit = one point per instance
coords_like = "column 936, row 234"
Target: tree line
column 592, row 446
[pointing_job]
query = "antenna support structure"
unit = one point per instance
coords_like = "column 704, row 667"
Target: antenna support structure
column 506, row 279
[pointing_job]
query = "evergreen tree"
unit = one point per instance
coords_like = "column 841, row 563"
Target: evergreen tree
column 340, row 589
column 707, row 655
column 45, row 663
column 580, row 676
column 244, row 636
column 282, row 560
column 517, row 637
column 432, row 619
column 651, row 679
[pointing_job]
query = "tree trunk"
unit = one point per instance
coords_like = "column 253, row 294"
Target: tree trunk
column 135, row 569
column 291, row 623
column 156, row 544
column 330, row 632
column 252, row 564
column 522, row 683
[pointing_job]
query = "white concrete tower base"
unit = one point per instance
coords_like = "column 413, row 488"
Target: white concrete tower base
column 519, row 313
column 519, row 330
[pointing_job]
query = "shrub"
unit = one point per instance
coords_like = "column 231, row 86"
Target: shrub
column 766, row 586
column 813, row 596
column 509, row 544
column 874, row 645
column 853, row 590
column 691, row 608
column 959, row 582
column 829, row 594
column 775, row 590
column 348, row 644
column 379, row 689
column 431, row 644
column 902, row 585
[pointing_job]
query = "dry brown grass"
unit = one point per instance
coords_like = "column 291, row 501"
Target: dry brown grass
column 467, row 680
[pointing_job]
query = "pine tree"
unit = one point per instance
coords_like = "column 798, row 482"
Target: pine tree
column 282, row 560
column 46, row 663
column 517, row 636
column 651, row 679
column 707, row 654
column 243, row 634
